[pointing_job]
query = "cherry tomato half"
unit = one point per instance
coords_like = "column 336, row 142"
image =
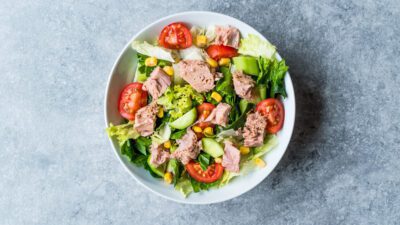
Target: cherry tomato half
column 204, row 111
column 175, row 36
column 131, row 99
column 221, row 51
column 212, row 174
column 272, row 110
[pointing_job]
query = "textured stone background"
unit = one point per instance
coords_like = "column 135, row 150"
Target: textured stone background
column 342, row 166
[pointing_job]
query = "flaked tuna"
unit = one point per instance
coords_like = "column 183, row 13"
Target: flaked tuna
column 219, row 115
column 145, row 119
column 254, row 130
column 157, row 83
column 159, row 154
column 231, row 157
column 244, row 85
column 188, row 148
column 197, row 74
column 227, row 35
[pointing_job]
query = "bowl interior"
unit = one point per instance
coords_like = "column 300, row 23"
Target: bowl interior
column 123, row 72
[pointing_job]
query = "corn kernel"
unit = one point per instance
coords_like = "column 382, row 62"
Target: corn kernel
column 151, row 61
column 160, row 113
column 218, row 160
column 168, row 177
column 212, row 62
column 259, row 162
column 224, row 62
column 208, row 131
column 244, row 150
column 169, row 70
column 201, row 41
column 167, row 144
column 197, row 129
column 217, row 97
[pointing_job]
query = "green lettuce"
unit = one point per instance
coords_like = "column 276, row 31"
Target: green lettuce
column 152, row 50
column 253, row 45
column 184, row 186
column 122, row 132
column 270, row 141
column 179, row 100
column 272, row 75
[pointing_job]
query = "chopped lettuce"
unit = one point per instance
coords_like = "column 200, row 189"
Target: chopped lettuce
column 270, row 141
column 179, row 100
column 175, row 168
column 196, row 30
column 210, row 33
column 192, row 53
column 253, row 45
column 271, row 76
column 184, row 186
column 143, row 71
column 122, row 132
column 152, row 50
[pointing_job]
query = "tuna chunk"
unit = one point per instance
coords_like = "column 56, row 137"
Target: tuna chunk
column 220, row 114
column 157, row 83
column 145, row 119
column 231, row 157
column 159, row 155
column 254, row 130
column 244, row 85
column 188, row 148
column 197, row 74
column 228, row 36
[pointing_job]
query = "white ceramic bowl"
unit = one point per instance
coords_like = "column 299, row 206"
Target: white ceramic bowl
column 122, row 73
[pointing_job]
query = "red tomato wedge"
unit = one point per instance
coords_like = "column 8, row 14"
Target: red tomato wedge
column 272, row 110
column 131, row 99
column 203, row 111
column 221, row 51
column 212, row 174
column 175, row 36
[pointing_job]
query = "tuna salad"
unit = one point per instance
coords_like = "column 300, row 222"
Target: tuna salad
column 204, row 106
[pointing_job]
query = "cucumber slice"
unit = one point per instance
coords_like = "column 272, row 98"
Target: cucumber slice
column 186, row 120
column 159, row 170
column 247, row 64
column 212, row 147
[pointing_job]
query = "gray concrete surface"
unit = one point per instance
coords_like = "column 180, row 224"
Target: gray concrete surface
column 342, row 165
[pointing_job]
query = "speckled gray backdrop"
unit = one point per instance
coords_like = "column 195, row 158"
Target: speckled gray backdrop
column 342, row 166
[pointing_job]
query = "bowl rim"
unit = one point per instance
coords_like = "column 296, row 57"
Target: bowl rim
column 107, row 122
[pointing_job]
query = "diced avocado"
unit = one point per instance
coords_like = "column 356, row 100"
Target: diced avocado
column 186, row 120
column 247, row 64
column 159, row 170
column 212, row 147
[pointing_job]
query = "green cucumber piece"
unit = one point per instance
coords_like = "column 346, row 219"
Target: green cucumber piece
column 212, row 147
column 159, row 170
column 247, row 64
column 186, row 120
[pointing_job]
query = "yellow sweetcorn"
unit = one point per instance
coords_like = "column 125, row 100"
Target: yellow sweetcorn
column 151, row 61
column 167, row 144
column 217, row 97
column 201, row 41
column 197, row 129
column 224, row 62
column 244, row 150
column 208, row 131
column 168, row 177
column 169, row 70
column 259, row 162
column 218, row 160
column 160, row 113
column 212, row 62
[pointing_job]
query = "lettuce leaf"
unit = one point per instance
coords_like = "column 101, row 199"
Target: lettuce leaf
column 270, row 141
column 162, row 134
column 184, row 186
column 152, row 50
column 272, row 75
column 122, row 132
column 253, row 45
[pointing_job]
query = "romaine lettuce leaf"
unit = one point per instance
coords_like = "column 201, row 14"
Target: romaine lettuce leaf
column 184, row 186
column 270, row 141
column 122, row 132
column 253, row 45
column 152, row 50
